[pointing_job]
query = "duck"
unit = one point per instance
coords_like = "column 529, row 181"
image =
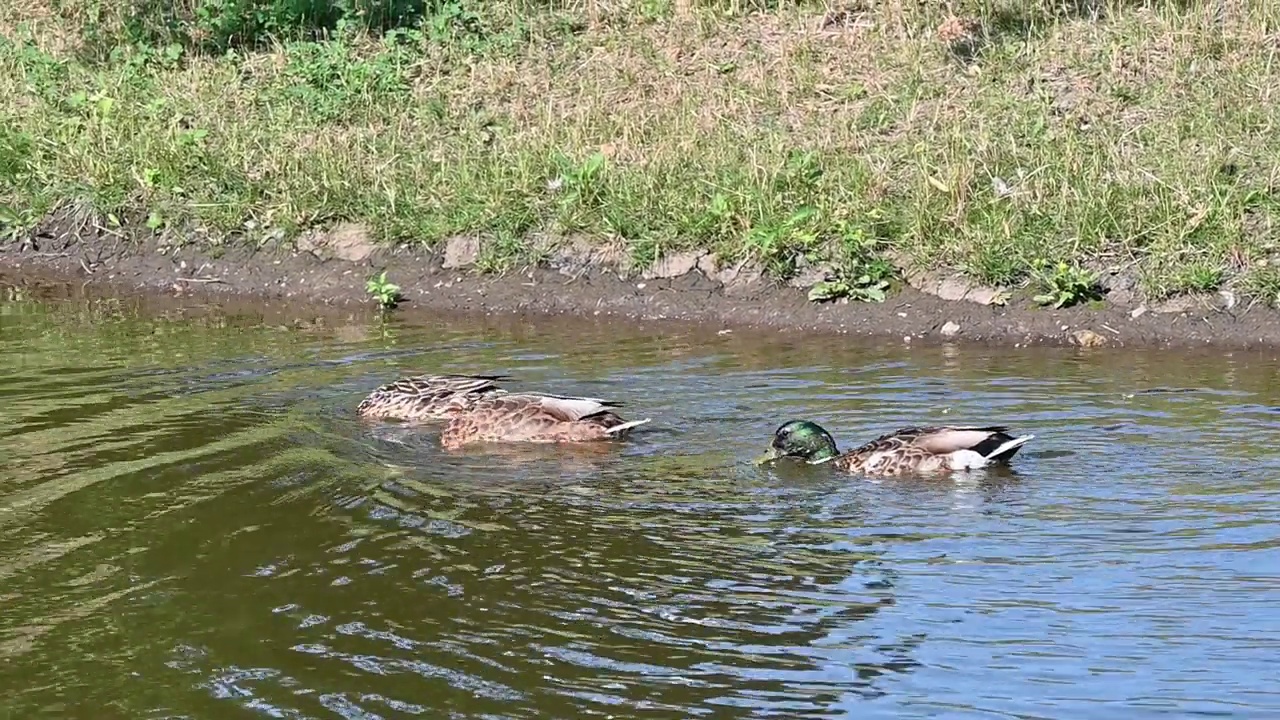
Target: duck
column 536, row 418
column 429, row 397
column 907, row 450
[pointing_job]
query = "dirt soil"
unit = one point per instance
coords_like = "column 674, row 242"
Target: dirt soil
column 332, row 268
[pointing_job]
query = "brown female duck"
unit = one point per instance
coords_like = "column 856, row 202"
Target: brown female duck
column 536, row 417
column 428, row 397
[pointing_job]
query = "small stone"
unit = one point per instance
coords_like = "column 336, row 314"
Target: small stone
column 1180, row 304
column 709, row 264
column 1088, row 338
column 461, row 251
column 955, row 287
column 810, row 275
column 673, row 266
column 952, row 288
column 950, row 329
column 987, row 296
column 1138, row 312
column 577, row 255
column 739, row 278
column 350, row 242
column 1120, row 286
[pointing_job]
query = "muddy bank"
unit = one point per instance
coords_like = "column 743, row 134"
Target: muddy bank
column 331, row 270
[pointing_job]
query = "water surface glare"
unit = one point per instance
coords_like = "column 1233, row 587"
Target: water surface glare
column 193, row 524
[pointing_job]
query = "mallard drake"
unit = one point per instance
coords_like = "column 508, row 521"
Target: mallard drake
column 428, row 397
column 903, row 451
column 536, row 417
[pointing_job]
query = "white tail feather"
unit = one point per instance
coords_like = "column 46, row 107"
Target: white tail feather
column 1009, row 446
column 971, row 460
column 574, row 407
column 626, row 426
column 554, row 396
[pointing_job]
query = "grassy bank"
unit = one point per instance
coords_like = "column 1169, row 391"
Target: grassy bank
column 989, row 136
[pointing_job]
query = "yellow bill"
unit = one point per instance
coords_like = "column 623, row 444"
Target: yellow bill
column 769, row 456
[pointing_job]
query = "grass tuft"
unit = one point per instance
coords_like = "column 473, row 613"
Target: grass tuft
column 815, row 140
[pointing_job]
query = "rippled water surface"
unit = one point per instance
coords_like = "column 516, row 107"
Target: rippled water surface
column 193, row 524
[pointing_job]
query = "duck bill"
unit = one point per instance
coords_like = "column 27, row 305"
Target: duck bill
column 769, row 456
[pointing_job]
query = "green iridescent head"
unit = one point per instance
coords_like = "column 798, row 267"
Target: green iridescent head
column 802, row 440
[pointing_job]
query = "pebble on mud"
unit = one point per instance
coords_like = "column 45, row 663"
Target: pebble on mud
column 731, row 277
column 1088, row 338
column 461, row 251
column 1179, row 304
column 809, row 274
column 674, row 266
column 950, row 329
column 955, row 287
column 345, row 241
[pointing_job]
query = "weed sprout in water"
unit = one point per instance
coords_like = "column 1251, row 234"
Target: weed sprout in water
column 385, row 292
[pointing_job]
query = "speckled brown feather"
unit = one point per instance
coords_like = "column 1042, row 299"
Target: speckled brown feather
column 533, row 418
column 428, row 397
column 912, row 450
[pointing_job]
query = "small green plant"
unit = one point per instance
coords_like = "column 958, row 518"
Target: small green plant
column 581, row 191
column 719, row 217
column 1064, row 285
column 1200, row 277
column 454, row 21
column 14, row 223
column 335, row 81
column 800, row 174
column 777, row 244
column 863, row 288
column 862, row 274
column 9, row 223
column 386, row 293
column 581, row 181
column 996, row 264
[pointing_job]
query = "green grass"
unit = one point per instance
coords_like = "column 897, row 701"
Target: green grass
column 1141, row 137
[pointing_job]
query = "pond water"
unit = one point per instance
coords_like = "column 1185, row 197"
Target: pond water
column 193, row 524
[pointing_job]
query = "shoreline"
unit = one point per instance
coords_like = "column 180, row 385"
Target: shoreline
column 677, row 292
